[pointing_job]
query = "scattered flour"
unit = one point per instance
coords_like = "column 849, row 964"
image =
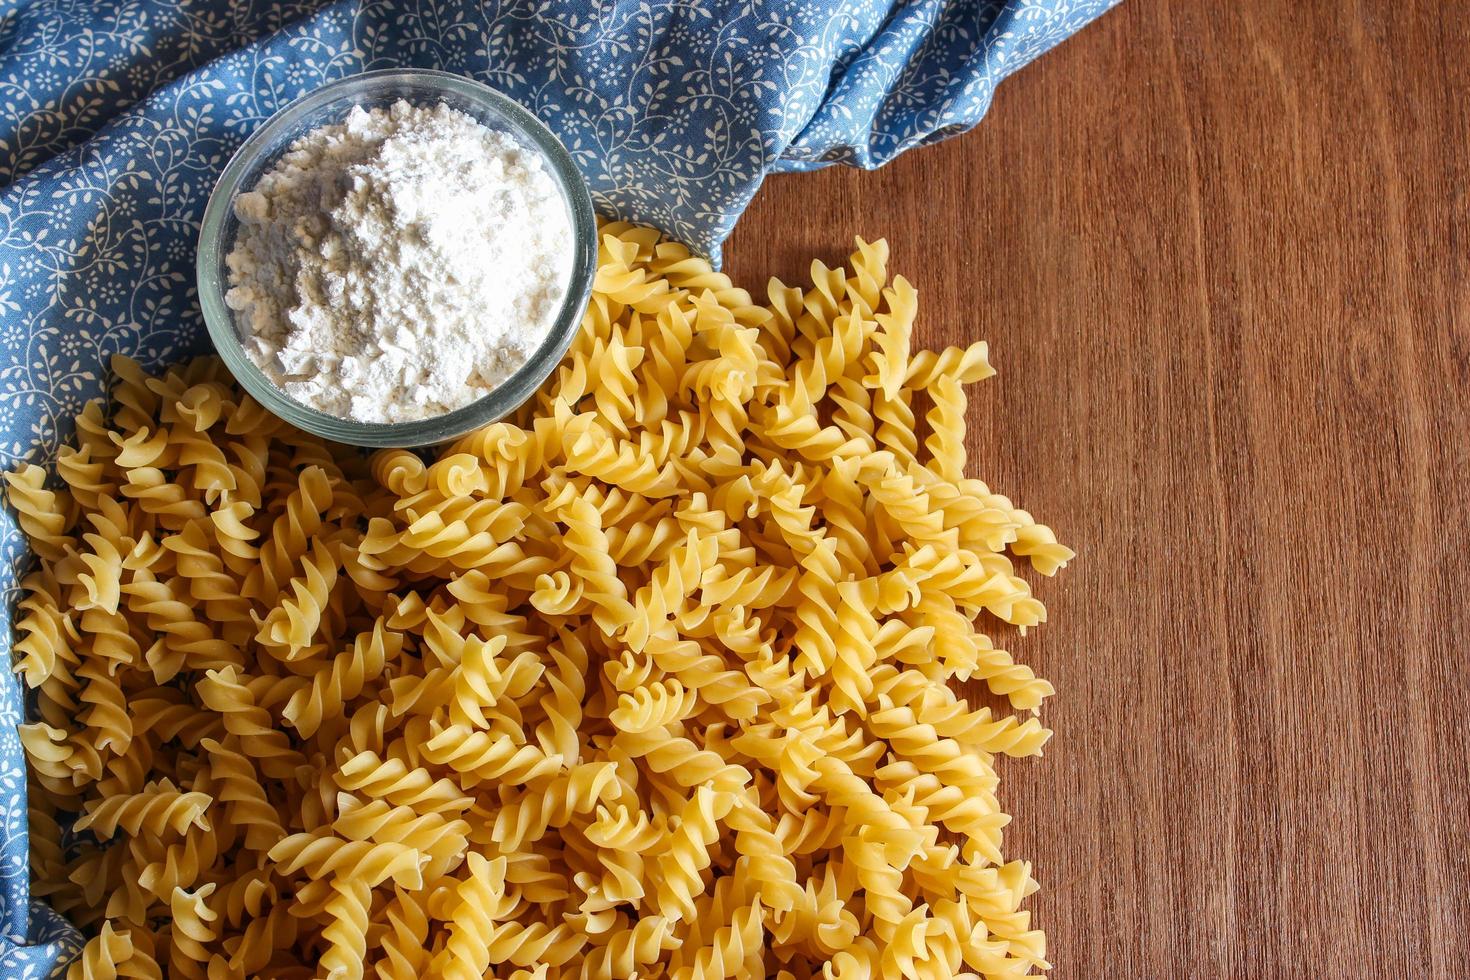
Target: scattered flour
column 400, row 264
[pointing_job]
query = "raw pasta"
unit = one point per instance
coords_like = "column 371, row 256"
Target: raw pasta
column 652, row 680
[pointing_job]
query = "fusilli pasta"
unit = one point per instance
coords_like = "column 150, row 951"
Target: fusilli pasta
column 652, row 679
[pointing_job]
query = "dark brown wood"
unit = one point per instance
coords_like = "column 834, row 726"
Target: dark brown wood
column 1220, row 251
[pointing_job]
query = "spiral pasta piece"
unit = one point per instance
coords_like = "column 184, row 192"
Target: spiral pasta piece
column 576, row 791
column 652, row 706
column 343, row 680
column 242, row 794
column 587, row 543
column 399, row 783
column 45, row 635
column 480, row 901
column 732, row 949
column 190, row 930
column 763, row 856
column 105, row 715
column 324, row 858
column 221, row 691
column 625, row 949
column 208, row 580
column 159, row 807
column 43, row 514
column 346, row 930
column 681, row 866
column 86, row 474
column 291, row 626
column 102, row 956
column 291, row 534
column 403, row 946
column 159, row 870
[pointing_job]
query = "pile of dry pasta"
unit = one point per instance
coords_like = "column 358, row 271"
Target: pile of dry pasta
column 653, row 682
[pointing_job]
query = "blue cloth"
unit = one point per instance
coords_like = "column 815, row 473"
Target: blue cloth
column 116, row 118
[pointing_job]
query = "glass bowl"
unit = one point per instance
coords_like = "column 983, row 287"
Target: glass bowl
column 330, row 104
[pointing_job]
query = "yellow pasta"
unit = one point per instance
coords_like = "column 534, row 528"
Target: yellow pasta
column 653, row 679
column 114, row 953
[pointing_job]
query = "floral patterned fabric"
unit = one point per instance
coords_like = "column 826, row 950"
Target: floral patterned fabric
column 116, row 118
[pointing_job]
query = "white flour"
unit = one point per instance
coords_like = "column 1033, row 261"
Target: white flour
column 400, row 264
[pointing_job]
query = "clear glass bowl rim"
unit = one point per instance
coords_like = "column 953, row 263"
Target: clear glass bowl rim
column 248, row 163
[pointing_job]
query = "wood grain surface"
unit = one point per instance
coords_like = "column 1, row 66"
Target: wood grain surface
column 1220, row 251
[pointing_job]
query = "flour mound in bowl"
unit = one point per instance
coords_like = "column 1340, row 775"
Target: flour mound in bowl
column 400, row 264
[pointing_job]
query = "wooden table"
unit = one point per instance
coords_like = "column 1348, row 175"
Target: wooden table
column 1220, row 251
